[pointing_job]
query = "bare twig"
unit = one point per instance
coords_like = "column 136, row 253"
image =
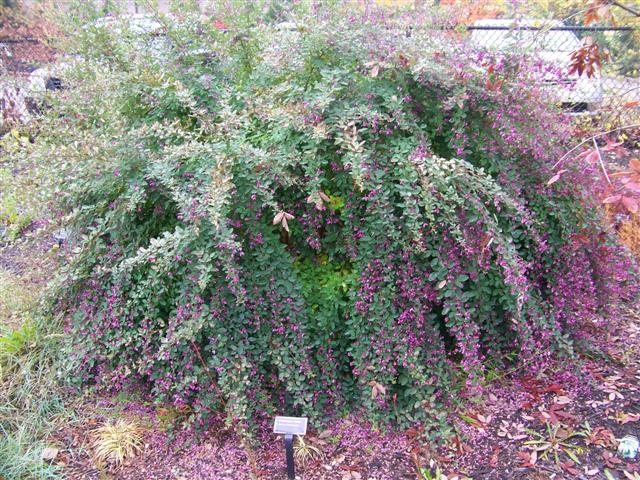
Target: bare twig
column 604, row 170
column 214, row 384
column 637, row 125
column 627, row 9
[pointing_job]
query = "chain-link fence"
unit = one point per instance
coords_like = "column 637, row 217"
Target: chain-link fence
column 611, row 94
column 19, row 57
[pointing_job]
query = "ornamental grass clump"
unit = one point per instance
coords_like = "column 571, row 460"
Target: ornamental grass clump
column 317, row 220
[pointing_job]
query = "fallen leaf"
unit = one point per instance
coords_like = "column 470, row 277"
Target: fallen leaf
column 493, row 461
column 528, row 460
column 612, row 199
column 569, row 467
column 628, row 417
column 325, row 433
column 563, row 400
column 631, row 204
column 49, row 454
column 611, row 460
column 555, row 388
column 556, row 177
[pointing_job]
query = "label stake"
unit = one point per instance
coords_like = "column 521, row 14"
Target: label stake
column 291, row 467
column 290, row 426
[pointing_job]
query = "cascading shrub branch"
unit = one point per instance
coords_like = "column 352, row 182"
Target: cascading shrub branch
column 331, row 219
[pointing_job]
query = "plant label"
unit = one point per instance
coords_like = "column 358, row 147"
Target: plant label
column 290, row 425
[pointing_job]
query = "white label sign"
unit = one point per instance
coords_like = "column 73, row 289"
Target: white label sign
column 290, row 425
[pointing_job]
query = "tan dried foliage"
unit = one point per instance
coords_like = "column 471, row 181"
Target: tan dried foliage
column 629, row 232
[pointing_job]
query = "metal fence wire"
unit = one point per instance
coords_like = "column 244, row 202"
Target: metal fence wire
column 611, row 95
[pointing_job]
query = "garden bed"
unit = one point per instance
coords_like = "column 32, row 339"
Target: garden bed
column 491, row 444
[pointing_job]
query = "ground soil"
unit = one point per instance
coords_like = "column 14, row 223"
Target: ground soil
column 595, row 397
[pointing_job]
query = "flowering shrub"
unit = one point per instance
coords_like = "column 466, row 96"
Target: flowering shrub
column 317, row 220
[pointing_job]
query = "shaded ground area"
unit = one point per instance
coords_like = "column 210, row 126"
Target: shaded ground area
column 347, row 448
column 565, row 423
column 578, row 412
